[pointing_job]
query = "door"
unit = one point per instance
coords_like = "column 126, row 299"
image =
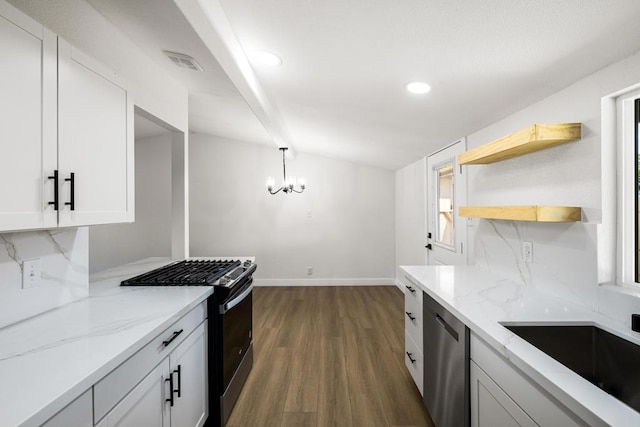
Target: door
column 189, row 370
column 95, row 146
column 146, row 405
column 28, row 122
column 446, row 191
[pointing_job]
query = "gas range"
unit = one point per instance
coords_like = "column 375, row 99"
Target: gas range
column 230, row 319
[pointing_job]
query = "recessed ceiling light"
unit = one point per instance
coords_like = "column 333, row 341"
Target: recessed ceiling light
column 418, row 87
column 262, row 58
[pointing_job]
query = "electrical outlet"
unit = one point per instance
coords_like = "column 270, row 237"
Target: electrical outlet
column 309, row 214
column 309, row 271
column 527, row 251
column 31, row 273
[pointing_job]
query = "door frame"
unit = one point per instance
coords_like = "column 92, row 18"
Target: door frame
column 461, row 241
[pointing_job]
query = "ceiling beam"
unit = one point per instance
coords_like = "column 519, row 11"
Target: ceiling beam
column 210, row 22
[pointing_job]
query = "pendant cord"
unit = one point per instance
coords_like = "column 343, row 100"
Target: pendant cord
column 284, row 168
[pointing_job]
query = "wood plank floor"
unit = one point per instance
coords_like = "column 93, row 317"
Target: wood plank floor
column 329, row 356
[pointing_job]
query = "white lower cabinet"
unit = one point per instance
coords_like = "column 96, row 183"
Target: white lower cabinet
column 174, row 393
column 78, row 413
column 413, row 339
column 189, row 367
column 490, row 406
column 145, row 405
column 502, row 395
column 163, row 384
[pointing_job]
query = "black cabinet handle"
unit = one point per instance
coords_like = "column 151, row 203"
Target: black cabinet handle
column 173, row 337
column 55, row 189
column 72, row 192
column 410, row 315
column 411, row 358
column 429, row 246
column 413, row 291
column 170, row 399
column 177, row 371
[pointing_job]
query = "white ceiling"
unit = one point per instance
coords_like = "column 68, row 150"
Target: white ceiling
column 340, row 90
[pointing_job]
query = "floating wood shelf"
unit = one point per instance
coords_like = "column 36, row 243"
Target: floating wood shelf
column 524, row 213
column 525, row 141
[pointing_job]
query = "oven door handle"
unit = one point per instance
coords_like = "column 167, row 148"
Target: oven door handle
column 237, row 300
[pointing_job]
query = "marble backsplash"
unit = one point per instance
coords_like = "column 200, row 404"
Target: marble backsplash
column 64, row 258
column 564, row 256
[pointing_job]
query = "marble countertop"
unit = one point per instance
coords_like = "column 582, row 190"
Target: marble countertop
column 49, row 360
column 481, row 300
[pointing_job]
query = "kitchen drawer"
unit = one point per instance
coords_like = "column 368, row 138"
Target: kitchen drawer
column 112, row 388
column 413, row 321
column 412, row 290
column 415, row 367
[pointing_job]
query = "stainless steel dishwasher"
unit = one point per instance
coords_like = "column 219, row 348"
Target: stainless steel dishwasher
column 446, row 366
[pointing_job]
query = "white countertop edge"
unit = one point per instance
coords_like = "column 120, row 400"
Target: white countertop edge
column 563, row 384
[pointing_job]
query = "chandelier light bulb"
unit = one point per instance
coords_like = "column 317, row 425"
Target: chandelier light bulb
column 270, row 183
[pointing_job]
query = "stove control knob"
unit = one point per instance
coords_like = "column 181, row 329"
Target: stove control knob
column 224, row 281
column 247, row 263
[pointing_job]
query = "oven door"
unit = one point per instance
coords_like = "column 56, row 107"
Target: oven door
column 236, row 314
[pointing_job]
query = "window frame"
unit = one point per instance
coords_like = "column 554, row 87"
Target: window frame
column 627, row 110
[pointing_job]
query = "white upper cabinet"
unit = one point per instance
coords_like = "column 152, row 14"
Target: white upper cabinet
column 28, row 122
column 95, row 119
column 61, row 113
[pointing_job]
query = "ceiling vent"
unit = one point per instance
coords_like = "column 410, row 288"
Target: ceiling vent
column 183, row 61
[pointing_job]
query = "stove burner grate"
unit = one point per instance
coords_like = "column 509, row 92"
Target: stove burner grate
column 182, row 273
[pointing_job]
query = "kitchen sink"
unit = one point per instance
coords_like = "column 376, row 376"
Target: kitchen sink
column 604, row 359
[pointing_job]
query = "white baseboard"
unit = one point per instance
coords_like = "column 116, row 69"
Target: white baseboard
column 325, row 282
column 400, row 285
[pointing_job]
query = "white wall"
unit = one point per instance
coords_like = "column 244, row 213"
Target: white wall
column 410, row 214
column 150, row 234
column 349, row 236
column 565, row 255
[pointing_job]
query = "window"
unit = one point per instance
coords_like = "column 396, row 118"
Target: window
column 626, row 172
column 444, row 196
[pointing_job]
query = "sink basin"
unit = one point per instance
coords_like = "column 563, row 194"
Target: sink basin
column 604, row 359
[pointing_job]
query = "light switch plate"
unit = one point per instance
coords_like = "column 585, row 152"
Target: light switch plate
column 31, row 273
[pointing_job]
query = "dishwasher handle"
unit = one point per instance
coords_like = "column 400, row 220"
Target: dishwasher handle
column 446, row 326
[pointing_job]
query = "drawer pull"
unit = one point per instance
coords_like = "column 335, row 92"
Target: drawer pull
column 411, row 358
column 447, row 327
column 410, row 315
column 72, row 191
column 55, row 189
column 178, row 371
column 173, row 337
column 170, row 398
column 413, row 291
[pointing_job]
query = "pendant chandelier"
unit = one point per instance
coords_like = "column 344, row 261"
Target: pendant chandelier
column 288, row 184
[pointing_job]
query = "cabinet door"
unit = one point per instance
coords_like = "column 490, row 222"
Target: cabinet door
column 490, row 406
column 145, row 405
column 189, row 368
column 95, row 142
column 27, row 122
